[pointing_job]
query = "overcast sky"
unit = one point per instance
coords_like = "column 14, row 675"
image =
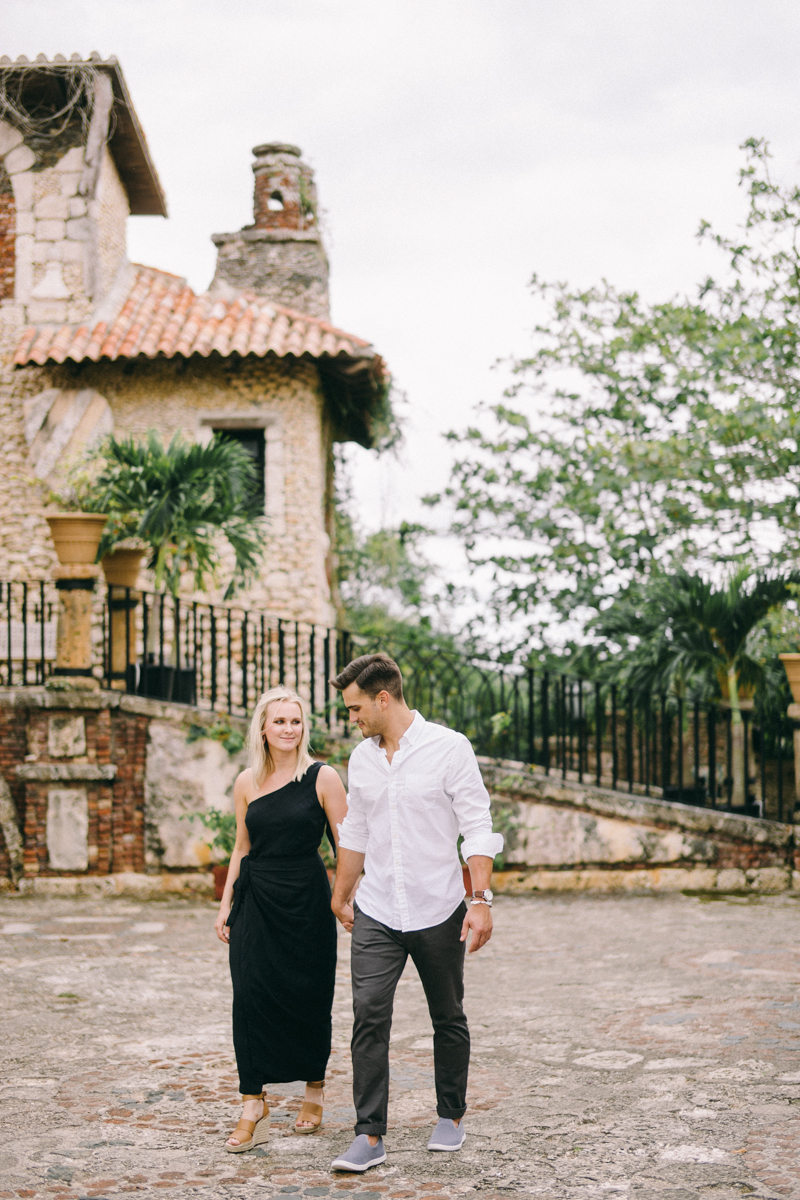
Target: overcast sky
column 459, row 146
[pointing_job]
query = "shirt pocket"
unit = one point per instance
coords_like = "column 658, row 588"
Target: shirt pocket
column 422, row 792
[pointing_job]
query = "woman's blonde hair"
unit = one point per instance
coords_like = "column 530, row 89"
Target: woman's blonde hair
column 261, row 763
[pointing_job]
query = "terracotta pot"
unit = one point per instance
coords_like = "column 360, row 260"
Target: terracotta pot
column 76, row 536
column 121, row 567
column 791, row 665
column 746, row 692
column 467, row 879
column 220, row 873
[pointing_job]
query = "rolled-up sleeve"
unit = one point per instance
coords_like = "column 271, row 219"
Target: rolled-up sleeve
column 353, row 831
column 471, row 803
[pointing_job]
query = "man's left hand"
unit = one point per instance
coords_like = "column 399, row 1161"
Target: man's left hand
column 479, row 920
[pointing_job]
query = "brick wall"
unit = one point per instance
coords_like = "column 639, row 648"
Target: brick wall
column 13, row 748
column 115, row 810
column 8, row 220
column 129, row 733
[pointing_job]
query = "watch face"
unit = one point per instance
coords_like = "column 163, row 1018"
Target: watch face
column 488, row 895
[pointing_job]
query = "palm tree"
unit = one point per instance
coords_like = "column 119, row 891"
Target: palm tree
column 179, row 499
column 689, row 634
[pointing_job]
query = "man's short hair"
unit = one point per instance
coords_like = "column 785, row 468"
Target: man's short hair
column 372, row 673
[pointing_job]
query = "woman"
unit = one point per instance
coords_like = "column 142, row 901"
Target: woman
column 276, row 915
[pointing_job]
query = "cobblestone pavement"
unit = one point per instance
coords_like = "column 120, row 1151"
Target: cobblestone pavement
column 647, row 1046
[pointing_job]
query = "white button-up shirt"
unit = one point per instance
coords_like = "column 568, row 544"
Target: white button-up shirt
column 405, row 816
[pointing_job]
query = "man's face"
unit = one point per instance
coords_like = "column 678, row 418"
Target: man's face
column 369, row 713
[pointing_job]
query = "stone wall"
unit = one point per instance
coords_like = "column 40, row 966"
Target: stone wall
column 567, row 836
column 103, row 783
column 68, row 247
column 170, row 396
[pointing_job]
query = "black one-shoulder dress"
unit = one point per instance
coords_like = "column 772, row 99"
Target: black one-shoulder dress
column 283, row 941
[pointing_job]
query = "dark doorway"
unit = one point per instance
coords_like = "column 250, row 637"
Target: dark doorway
column 252, row 442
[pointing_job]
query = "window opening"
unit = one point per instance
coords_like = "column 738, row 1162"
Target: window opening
column 275, row 202
column 253, row 443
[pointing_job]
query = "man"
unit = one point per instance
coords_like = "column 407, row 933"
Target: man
column 414, row 786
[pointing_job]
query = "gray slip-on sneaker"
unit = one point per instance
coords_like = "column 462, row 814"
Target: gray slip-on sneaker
column 447, row 1135
column 360, row 1156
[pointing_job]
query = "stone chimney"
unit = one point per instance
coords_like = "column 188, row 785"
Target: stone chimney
column 280, row 256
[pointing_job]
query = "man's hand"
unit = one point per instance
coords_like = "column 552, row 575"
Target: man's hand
column 479, row 920
column 343, row 913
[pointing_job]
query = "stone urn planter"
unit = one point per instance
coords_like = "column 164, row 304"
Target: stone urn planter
column 76, row 536
column 121, row 567
column 220, row 873
column 791, row 665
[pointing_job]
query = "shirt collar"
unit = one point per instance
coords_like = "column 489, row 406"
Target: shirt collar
column 410, row 735
column 414, row 729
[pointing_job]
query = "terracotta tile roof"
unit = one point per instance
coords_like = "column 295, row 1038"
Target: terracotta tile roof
column 161, row 315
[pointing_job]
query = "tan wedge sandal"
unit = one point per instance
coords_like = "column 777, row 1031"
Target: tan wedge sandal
column 257, row 1131
column 310, row 1112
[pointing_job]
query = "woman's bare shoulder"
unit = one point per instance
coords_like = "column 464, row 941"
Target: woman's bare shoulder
column 244, row 786
column 327, row 775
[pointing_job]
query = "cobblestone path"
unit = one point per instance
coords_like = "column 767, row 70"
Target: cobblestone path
column 644, row 1046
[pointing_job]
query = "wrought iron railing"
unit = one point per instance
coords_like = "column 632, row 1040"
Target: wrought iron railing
column 28, row 612
column 222, row 657
column 218, row 657
column 679, row 750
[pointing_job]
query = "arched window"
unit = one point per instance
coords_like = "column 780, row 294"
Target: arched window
column 275, row 202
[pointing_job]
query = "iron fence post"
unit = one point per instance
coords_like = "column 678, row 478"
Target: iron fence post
column 531, row 694
column 598, row 733
column 546, row 720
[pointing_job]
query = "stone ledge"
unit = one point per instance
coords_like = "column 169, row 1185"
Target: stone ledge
column 759, row 881
column 123, row 883
column 67, row 772
column 267, row 235
column 80, row 698
column 531, row 785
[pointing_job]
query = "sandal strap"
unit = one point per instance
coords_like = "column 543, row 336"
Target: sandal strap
column 260, row 1096
column 245, row 1126
column 314, row 1110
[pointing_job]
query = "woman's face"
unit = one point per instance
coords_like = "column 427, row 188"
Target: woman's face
column 283, row 725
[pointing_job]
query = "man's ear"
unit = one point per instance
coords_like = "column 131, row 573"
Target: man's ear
column 383, row 699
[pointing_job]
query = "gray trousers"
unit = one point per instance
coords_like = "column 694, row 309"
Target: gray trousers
column 378, row 955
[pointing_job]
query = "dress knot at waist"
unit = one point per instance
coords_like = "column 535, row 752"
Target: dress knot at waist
column 268, row 868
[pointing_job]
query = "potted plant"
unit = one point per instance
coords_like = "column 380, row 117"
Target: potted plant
column 76, row 520
column 121, row 566
column 178, row 500
column 76, row 536
column 223, row 827
column 791, row 665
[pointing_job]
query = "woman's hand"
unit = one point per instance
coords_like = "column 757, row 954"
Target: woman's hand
column 221, row 924
column 344, row 913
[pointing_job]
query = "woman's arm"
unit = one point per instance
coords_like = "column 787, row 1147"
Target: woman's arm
column 241, row 848
column 332, row 797
column 349, row 866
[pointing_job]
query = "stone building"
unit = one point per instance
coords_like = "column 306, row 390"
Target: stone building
column 91, row 342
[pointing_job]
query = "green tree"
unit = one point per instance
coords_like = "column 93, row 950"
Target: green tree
column 639, row 437
column 179, row 499
column 686, row 634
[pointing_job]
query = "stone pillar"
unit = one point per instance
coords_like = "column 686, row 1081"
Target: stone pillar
column 793, row 713
column 75, row 583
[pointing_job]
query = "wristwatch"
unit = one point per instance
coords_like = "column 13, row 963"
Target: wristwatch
column 483, row 897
